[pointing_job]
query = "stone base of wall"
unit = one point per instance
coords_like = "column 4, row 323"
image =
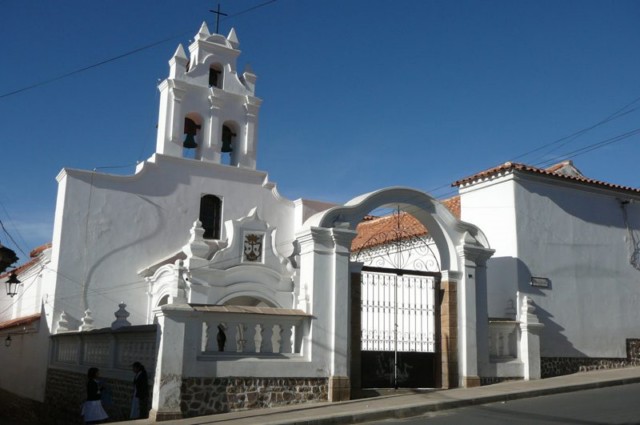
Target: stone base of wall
column 206, row 396
column 22, row 410
column 490, row 380
column 557, row 366
column 66, row 391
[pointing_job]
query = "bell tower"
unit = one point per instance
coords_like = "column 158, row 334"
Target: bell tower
column 207, row 111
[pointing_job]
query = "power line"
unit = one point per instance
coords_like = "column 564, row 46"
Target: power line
column 95, row 65
column 592, row 147
column 12, row 240
column 120, row 56
column 617, row 114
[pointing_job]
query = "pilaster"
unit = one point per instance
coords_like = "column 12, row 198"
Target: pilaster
column 324, row 265
column 530, row 329
column 214, row 130
column 472, row 320
column 448, row 304
column 167, row 384
column 248, row 159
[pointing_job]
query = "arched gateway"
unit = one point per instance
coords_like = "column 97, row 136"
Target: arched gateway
column 461, row 303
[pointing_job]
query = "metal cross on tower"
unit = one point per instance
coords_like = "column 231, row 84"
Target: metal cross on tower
column 218, row 13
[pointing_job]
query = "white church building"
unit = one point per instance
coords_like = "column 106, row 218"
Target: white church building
column 235, row 297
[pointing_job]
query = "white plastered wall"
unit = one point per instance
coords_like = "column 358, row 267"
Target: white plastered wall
column 112, row 227
column 575, row 236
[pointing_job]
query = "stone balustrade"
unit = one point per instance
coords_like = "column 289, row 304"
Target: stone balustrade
column 105, row 348
column 257, row 331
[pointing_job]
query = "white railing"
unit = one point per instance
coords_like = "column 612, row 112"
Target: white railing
column 251, row 334
column 106, row 348
column 244, row 330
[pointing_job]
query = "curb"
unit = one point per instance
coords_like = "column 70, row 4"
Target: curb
column 421, row 409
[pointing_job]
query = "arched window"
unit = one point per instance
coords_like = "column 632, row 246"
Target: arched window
column 215, row 76
column 211, row 216
column 163, row 301
column 228, row 137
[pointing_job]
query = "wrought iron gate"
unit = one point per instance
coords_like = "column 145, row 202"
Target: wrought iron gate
column 398, row 317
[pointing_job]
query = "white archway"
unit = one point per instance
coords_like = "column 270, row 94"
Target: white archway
column 325, row 243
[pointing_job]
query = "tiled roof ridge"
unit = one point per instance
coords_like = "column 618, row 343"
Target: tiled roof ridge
column 20, row 321
column 375, row 231
column 35, row 256
column 551, row 171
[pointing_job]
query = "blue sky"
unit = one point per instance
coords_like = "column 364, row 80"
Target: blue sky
column 358, row 95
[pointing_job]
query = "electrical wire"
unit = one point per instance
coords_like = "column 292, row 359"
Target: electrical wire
column 118, row 57
column 617, row 114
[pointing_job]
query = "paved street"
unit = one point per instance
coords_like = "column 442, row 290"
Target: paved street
column 611, row 406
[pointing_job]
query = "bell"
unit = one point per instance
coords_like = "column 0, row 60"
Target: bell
column 189, row 142
column 227, row 138
column 226, row 146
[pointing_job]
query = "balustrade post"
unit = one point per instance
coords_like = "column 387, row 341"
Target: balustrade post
column 257, row 338
column 530, row 329
column 276, row 338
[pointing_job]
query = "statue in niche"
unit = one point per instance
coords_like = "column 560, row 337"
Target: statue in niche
column 252, row 247
column 227, row 139
column 221, row 337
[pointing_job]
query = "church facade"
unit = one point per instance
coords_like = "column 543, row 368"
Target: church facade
column 236, row 297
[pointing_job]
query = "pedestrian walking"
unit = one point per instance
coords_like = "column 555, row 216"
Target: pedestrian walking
column 140, row 401
column 92, row 410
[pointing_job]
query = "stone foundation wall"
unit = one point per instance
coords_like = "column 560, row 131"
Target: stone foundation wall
column 205, row 396
column 66, row 391
column 490, row 380
column 22, row 410
column 557, row 366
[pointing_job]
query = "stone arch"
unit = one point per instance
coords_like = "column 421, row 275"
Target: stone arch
column 325, row 243
column 249, row 298
column 447, row 231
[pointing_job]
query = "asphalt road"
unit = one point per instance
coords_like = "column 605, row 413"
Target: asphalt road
column 606, row 406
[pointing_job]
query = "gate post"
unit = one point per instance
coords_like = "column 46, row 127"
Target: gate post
column 473, row 320
column 167, row 382
column 355, row 367
column 448, row 306
column 324, row 266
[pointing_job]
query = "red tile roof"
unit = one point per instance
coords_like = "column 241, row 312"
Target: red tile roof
column 554, row 171
column 374, row 231
column 38, row 250
column 20, row 321
column 34, row 254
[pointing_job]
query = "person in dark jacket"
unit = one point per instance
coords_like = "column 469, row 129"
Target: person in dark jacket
column 92, row 410
column 140, row 402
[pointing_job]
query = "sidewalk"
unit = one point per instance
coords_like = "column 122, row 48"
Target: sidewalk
column 407, row 403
